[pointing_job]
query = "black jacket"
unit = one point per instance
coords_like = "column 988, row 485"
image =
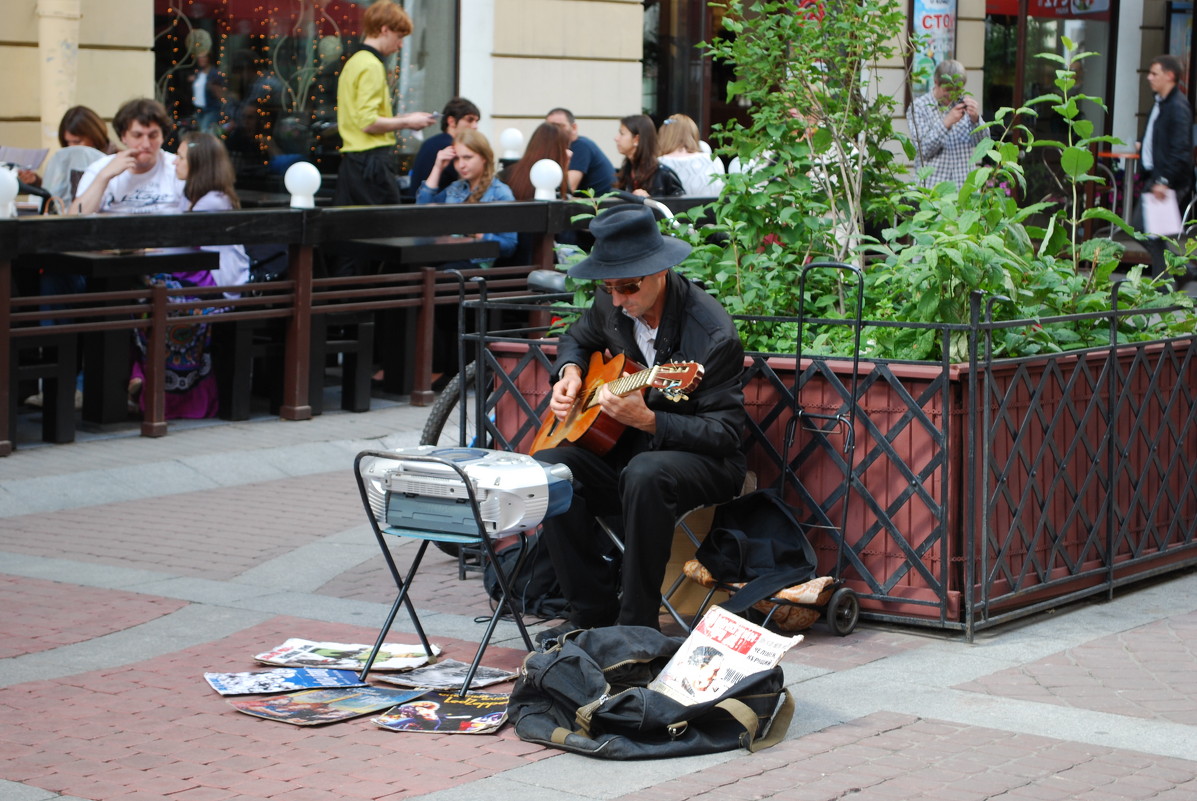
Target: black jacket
column 1172, row 145
column 694, row 328
column 664, row 183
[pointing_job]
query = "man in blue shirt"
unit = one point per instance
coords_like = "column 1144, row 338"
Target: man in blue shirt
column 458, row 113
column 589, row 167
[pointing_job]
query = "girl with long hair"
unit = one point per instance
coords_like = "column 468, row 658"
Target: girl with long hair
column 82, row 126
column 207, row 171
column 641, row 173
column 474, row 160
column 678, row 148
column 547, row 142
column 203, row 164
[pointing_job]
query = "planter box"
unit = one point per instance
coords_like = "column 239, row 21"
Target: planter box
column 966, row 511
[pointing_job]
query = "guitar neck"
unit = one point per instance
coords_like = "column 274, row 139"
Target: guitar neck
column 624, row 385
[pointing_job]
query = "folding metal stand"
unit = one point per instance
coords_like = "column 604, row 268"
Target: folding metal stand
column 382, row 530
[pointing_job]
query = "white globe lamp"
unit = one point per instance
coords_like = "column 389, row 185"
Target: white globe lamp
column 512, row 142
column 546, row 177
column 8, row 192
column 302, row 181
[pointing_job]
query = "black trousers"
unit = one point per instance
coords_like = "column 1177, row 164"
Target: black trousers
column 648, row 491
column 365, row 178
column 1155, row 246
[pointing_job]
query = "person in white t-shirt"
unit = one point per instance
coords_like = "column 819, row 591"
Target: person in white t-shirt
column 679, row 149
column 140, row 179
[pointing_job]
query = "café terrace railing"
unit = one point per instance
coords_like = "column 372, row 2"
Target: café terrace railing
column 294, row 300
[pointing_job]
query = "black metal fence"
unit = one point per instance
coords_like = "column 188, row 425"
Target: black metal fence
column 978, row 492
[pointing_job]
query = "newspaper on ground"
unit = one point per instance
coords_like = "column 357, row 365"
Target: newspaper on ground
column 297, row 652
column 280, row 680
column 446, row 712
column 722, row 650
column 315, row 707
column 448, row 674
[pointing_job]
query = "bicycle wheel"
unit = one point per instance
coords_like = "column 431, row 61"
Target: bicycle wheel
column 443, row 426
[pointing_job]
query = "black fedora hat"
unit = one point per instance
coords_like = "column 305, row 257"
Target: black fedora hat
column 628, row 244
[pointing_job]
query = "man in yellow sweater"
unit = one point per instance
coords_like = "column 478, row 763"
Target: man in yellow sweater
column 364, row 118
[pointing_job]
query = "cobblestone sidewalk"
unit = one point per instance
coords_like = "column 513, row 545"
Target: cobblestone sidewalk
column 129, row 566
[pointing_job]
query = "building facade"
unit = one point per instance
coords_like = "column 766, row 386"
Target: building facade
column 275, row 70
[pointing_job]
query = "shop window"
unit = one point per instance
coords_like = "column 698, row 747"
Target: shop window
column 269, row 74
column 1015, row 75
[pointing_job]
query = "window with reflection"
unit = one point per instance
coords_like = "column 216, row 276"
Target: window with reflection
column 263, row 75
column 1014, row 75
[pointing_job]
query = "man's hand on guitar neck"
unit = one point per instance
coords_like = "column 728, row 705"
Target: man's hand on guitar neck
column 628, row 409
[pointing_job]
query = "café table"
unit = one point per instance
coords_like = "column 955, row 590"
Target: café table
column 403, row 254
column 264, row 199
column 106, row 354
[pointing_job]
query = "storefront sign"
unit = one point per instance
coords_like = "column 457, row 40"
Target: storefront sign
column 1055, row 9
column 934, row 24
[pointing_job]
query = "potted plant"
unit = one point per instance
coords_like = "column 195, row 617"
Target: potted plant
column 1019, row 439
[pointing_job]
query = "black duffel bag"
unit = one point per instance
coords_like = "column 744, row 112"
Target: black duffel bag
column 588, row 695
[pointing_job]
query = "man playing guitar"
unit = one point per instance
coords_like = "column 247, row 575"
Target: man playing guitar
column 674, row 455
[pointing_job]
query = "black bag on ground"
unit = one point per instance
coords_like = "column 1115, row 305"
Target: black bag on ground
column 536, row 590
column 757, row 539
column 588, row 695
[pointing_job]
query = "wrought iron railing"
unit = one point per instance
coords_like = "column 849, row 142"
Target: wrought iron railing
column 980, row 491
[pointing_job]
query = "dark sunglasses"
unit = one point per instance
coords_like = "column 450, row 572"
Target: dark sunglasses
column 626, row 288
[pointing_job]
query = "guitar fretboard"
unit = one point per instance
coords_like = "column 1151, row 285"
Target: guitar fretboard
column 623, row 385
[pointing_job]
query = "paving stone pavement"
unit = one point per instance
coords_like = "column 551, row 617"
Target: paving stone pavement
column 130, row 566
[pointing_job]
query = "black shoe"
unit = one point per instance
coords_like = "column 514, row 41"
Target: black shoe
column 549, row 637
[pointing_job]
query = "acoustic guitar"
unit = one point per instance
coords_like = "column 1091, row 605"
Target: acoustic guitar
column 586, row 425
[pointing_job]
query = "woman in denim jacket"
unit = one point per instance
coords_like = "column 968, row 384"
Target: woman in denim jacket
column 474, row 160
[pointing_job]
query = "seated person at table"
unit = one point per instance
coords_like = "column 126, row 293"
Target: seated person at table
column 471, row 154
column 208, row 175
column 641, row 173
column 550, row 142
column 207, row 172
column 458, row 114
column 140, row 179
column 679, row 150
column 547, row 142
column 84, row 138
column 589, row 168
column 672, row 457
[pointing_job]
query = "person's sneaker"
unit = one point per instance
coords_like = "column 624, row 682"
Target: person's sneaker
column 549, row 637
column 37, row 401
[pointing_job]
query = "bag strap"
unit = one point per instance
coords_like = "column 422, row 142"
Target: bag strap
column 743, row 715
column 764, row 586
column 776, row 728
column 778, row 725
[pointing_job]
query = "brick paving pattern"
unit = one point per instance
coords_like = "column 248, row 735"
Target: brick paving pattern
column 1146, row 672
column 102, row 697
column 886, row 757
column 40, row 615
column 216, row 533
column 156, row 727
